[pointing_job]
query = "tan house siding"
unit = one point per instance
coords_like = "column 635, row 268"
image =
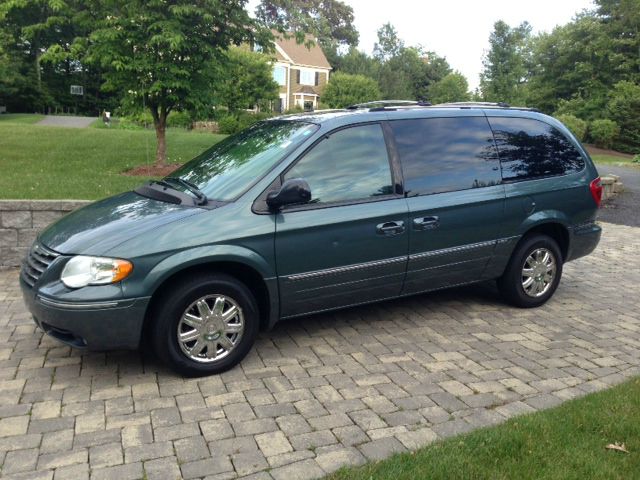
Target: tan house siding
column 311, row 93
column 296, row 58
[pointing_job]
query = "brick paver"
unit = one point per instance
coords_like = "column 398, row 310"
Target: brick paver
column 320, row 392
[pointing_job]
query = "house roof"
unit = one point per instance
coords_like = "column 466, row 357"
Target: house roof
column 306, row 89
column 299, row 54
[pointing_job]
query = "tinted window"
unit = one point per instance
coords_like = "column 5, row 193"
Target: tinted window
column 351, row 164
column 529, row 149
column 446, row 154
column 227, row 169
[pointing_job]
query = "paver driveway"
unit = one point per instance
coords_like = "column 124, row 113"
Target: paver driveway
column 323, row 391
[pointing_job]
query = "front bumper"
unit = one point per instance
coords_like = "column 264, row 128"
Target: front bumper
column 107, row 325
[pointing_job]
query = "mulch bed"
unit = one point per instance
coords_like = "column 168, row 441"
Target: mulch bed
column 152, row 170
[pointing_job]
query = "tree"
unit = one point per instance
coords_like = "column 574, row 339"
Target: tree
column 45, row 42
column 389, row 44
column 330, row 21
column 624, row 109
column 29, row 28
column 245, row 80
column 452, row 88
column 571, row 70
column 345, row 89
column 406, row 72
column 504, row 75
column 357, row 63
column 9, row 77
column 621, row 23
column 398, row 75
column 433, row 68
column 161, row 54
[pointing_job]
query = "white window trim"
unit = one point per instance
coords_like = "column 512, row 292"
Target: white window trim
column 299, row 99
column 284, row 75
column 308, row 71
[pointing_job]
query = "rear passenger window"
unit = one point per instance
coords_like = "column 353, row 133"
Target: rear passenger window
column 446, row 154
column 532, row 149
column 350, row 164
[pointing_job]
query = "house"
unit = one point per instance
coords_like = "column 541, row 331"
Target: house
column 301, row 73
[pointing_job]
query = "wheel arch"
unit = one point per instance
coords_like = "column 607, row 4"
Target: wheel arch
column 250, row 273
column 553, row 228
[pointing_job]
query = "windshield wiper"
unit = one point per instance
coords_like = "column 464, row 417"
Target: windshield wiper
column 201, row 198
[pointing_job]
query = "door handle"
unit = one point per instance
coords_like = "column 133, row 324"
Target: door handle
column 426, row 223
column 390, row 228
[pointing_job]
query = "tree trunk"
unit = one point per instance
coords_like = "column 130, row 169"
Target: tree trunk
column 160, row 123
column 39, row 81
column 161, row 148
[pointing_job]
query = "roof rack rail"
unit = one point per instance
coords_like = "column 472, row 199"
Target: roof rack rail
column 382, row 104
column 484, row 105
column 474, row 104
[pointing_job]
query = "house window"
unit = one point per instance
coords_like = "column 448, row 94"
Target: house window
column 279, row 75
column 307, row 77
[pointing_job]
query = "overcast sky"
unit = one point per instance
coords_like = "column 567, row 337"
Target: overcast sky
column 456, row 29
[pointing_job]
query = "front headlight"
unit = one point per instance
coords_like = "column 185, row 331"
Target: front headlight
column 81, row 271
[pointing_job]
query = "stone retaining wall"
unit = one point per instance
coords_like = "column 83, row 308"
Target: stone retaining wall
column 22, row 220
column 611, row 186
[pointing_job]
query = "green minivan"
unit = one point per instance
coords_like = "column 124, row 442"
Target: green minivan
column 314, row 212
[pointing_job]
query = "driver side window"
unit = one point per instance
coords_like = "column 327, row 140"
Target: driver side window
column 351, row 164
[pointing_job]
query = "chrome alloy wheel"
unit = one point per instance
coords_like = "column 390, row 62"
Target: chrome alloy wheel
column 538, row 272
column 210, row 328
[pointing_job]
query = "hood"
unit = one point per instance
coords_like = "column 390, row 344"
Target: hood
column 98, row 227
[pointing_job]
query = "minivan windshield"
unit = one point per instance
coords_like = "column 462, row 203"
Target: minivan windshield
column 228, row 168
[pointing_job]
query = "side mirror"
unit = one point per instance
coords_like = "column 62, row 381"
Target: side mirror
column 294, row 190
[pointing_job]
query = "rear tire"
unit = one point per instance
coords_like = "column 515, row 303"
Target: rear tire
column 533, row 273
column 205, row 325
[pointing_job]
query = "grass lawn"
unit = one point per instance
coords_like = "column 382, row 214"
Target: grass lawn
column 39, row 162
column 567, row 442
column 614, row 160
column 24, row 118
column 43, row 162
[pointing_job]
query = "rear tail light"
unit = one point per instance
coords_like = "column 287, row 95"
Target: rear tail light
column 596, row 190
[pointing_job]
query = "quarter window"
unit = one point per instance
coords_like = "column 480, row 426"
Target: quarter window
column 532, row 149
column 351, row 164
column 446, row 154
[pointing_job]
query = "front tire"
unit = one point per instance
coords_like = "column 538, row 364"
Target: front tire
column 533, row 273
column 206, row 325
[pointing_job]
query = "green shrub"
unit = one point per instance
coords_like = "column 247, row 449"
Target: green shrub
column 294, row 109
column 133, row 121
column 346, row 89
column 234, row 123
column 603, row 132
column 588, row 108
column 636, row 158
column 179, row 119
column 577, row 126
column 228, row 124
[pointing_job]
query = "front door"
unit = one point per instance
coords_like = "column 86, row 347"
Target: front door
column 349, row 244
column 455, row 197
